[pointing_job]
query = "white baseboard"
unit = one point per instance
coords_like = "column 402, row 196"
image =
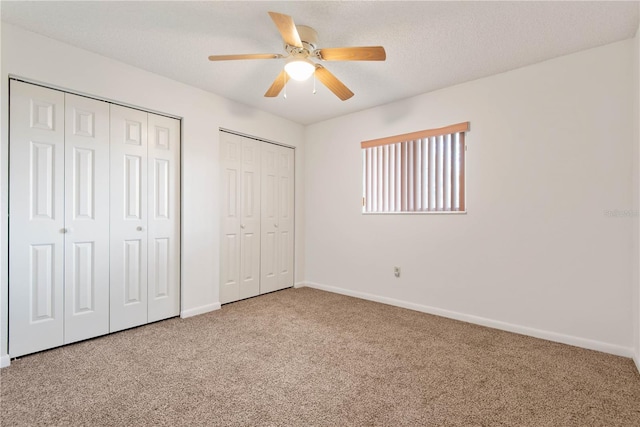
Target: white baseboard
column 636, row 359
column 496, row 324
column 5, row 361
column 199, row 310
column 299, row 285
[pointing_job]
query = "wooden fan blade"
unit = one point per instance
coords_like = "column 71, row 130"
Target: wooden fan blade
column 277, row 84
column 365, row 53
column 287, row 29
column 332, row 83
column 247, row 56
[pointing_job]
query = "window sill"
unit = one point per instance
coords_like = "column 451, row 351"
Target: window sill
column 418, row 213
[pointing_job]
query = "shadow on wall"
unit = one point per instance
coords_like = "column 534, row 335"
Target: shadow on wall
column 237, row 109
column 397, row 112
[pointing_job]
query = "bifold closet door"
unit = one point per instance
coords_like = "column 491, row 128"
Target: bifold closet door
column 94, row 227
column 36, row 219
column 128, row 260
column 277, row 218
column 145, row 217
column 240, row 218
column 86, row 200
column 164, row 217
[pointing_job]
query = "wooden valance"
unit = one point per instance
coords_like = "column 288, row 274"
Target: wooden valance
column 460, row 127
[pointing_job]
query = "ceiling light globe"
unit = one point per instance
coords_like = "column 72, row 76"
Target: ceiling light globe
column 299, row 69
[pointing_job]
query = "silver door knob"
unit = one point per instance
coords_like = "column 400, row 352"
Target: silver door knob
column 139, row 228
column 242, row 226
column 67, row 230
column 275, row 225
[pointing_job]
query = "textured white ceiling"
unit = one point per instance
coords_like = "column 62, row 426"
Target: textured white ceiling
column 430, row 45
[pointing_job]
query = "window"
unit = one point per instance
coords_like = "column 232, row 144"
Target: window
column 415, row 172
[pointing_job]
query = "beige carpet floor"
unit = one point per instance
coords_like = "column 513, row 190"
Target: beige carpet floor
column 303, row 357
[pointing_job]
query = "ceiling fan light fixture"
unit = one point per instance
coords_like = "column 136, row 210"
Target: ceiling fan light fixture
column 299, row 68
column 300, row 44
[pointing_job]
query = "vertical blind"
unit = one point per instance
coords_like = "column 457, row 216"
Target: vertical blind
column 416, row 172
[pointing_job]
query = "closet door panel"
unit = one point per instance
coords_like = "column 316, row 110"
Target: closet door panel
column 230, row 156
column 164, row 217
column 240, row 217
column 285, row 230
column 128, row 209
column 250, row 219
column 269, row 219
column 277, row 218
column 36, row 210
column 86, row 198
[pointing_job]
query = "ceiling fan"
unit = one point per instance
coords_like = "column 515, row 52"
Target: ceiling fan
column 301, row 45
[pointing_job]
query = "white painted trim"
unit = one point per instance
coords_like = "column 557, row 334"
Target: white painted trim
column 637, row 360
column 200, row 310
column 299, row 285
column 496, row 324
column 5, row 361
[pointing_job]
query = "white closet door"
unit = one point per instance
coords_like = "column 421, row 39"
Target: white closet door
column 36, row 213
column 240, row 243
column 86, row 198
column 277, row 218
column 230, row 155
column 128, row 260
column 285, row 231
column 250, row 219
column 269, row 219
column 164, row 217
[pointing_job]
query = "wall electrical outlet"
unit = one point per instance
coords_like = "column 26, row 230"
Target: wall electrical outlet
column 396, row 271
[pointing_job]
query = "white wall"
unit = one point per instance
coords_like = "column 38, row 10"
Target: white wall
column 636, row 197
column 31, row 56
column 549, row 151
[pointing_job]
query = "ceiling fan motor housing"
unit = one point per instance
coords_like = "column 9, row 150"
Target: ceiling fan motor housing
column 309, row 39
